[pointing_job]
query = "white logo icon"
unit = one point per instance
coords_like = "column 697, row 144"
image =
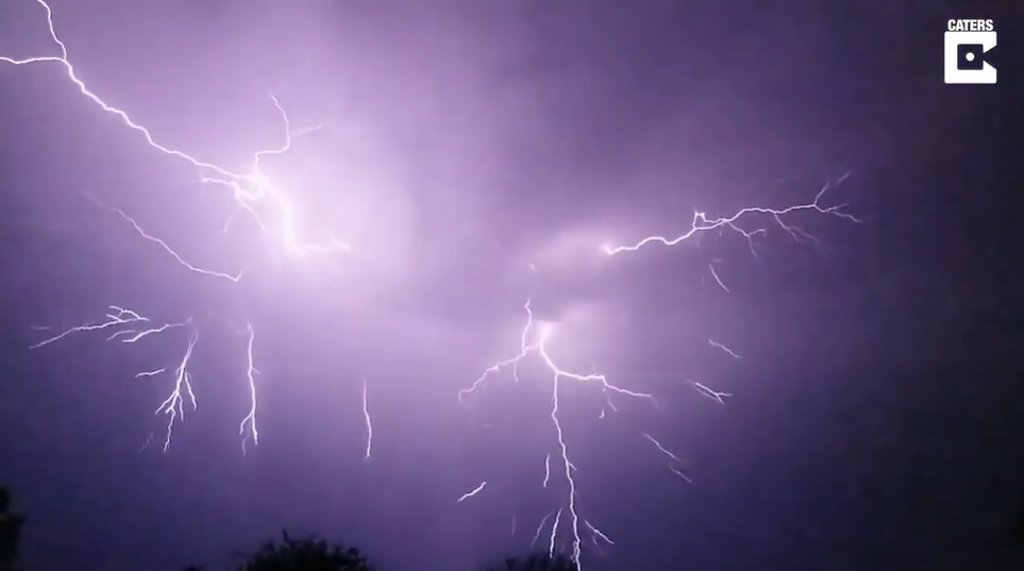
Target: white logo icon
column 967, row 43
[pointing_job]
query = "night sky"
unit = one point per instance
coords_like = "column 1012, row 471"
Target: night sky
column 476, row 154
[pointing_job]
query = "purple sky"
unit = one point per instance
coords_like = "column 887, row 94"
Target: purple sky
column 870, row 426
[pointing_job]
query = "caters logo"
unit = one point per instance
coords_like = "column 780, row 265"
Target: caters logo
column 967, row 44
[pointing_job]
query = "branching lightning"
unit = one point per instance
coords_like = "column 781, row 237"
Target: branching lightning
column 173, row 406
column 717, row 396
column 129, row 326
column 539, row 347
column 255, row 194
column 253, row 190
column 701, row 223
column 116, row 317
column 133, row 336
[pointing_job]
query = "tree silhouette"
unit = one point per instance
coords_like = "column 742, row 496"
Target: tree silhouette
column 10, row 533
column 536, row 562
column 307, row 554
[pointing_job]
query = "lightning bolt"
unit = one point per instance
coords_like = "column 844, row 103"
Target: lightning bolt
column 173, row 406
column 133, row 336
column 676, row 461
column 554, row 533
column 547, row 471
column 699, row 224
column 152, row 373
column 539, row 347
column 253, row 190
column 598, row 534
column 235, row 277
column 125, row 325
column 712, row 394
column 681, row 474
column 254, row 193
column 471, row 493
column 369, row 425
column 702, row 223
column 247, row 428
column 117, row 316
column 718, row 280
column 727, row 350
column 540, row 528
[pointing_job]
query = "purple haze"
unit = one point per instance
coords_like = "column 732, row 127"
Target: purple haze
column 474, row 155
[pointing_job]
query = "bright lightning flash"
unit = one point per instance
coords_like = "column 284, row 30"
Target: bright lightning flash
column 254, row 194
column 253, row 190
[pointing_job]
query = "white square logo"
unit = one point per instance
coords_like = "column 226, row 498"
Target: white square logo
column 966, row 44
